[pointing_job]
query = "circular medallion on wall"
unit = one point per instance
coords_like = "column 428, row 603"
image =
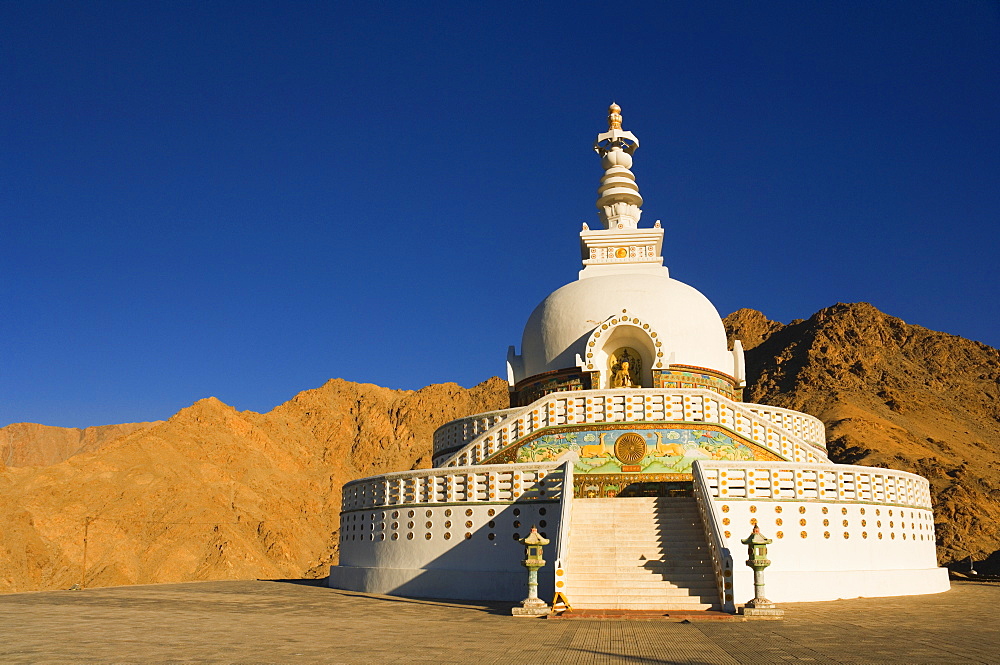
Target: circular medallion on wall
column 630, row 448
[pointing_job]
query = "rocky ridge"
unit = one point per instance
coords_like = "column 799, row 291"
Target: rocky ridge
column 216, row 493
column 31, row 444
column 894, row 395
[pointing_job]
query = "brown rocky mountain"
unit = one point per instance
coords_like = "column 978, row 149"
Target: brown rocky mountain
column 215, row 493
column 31, row 444
column 895, row 395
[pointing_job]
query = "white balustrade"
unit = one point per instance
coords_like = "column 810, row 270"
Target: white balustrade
column 499, row 483
column 722, row 558
column 806, row 427
column 811, row 482
column 461, row 431
column 647, row 404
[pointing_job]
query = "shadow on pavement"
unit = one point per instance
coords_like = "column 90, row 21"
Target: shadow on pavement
column 486, row 607
column 302, row 582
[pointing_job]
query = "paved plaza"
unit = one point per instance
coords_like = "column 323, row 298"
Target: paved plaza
column 296, row 622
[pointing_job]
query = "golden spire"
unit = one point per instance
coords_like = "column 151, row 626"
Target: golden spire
column 619, row 200
column 614, row 116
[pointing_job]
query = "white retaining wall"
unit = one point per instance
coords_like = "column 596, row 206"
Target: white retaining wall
column 450, row 534
column 839, row 531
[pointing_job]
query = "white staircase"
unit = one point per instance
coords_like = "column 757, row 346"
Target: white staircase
column 645, row 553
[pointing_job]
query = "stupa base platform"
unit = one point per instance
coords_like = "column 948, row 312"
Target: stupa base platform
column 648, row 615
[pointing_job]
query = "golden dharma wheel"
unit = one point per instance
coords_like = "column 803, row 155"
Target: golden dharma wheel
column 630, row 448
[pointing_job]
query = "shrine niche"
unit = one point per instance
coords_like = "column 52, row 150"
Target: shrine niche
column 625, row 368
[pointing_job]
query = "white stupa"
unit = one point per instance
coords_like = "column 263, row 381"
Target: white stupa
column 628, row 445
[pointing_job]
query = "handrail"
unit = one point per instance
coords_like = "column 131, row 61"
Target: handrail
column 565, row 515
column 626, row 405
column 722, row 559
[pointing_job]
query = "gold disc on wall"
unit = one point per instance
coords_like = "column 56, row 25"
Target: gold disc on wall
column 630, row 448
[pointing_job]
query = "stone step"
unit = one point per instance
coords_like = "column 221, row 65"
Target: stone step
column 659, row 565
column 633, row 510
column 606, row 531
column 640, row 551
column 611, row 605
column 624, row 500
column 666, row 570
column 636, row 589
column 623, row 535
column 601, row 600
column 641, row 556
column 599, row 580
column 641, row 594
column 619, row 521
column 617, row 506
column 606, row 539
column 611, row 536
column 637, row 596
column 647, row 509
column 658, row 568
column 645, row 558
column 693, row 514
column 657, row 591
column 619, row 540
column 645, row 551
column 632, row 588
column 679, row 577
column 651, row 515
column 575, row 599
column 691, row 577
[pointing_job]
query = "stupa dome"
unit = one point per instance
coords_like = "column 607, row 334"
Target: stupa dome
column 687, row 324
column 624, row 322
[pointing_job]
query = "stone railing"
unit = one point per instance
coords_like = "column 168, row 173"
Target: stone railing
column 566, row 520
column 722, row 558
column 786, row 481
column 808, row 428
column 636, row 405
column 456, row 433
column 499, row 483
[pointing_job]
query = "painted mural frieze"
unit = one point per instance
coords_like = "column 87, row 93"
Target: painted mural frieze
column 659, row 450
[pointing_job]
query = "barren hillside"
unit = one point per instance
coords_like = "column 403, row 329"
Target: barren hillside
column 31, row 444
column 214, row 493
column 896, row 395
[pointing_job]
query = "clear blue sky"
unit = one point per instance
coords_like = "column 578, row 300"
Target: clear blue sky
column 244, row 199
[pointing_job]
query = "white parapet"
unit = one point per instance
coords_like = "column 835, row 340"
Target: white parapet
column 627, row 405
column 456, row 433
column 447, row 533
column 839, row 531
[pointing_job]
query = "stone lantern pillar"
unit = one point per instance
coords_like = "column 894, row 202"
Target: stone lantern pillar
column 757, row 560
column 532, row 606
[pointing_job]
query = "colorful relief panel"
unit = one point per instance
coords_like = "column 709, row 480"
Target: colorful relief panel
column 528, row 392
column 693, row 379
column 613, row 451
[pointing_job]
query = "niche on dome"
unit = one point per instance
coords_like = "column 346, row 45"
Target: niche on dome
column 625, row 345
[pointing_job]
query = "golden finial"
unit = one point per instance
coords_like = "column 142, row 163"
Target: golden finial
column 614, row 116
